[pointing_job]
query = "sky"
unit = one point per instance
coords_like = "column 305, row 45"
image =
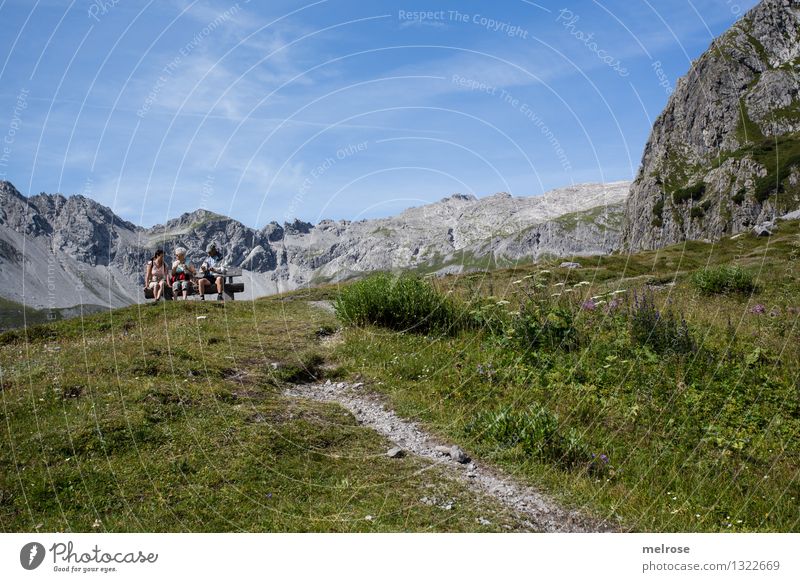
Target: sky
column 339, row 109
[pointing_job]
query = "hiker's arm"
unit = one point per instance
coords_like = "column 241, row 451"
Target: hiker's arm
column 147, row 275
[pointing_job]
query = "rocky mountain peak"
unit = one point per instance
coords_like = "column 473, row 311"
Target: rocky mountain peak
column 724, row 153
column 190, row 220
column 9, row 189
column 297, row 226
column 460, row 198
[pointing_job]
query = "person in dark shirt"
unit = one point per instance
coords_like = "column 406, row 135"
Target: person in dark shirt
column 211, row 273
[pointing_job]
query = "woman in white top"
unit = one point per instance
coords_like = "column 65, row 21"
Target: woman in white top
column 155, row 277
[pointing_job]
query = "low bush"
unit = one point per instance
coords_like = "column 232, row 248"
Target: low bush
column 723, row 279
column 660, row 330
column 404, row 303
column 533, row 432
column 693, row 192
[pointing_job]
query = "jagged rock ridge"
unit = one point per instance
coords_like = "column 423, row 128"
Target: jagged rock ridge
column 58, row 251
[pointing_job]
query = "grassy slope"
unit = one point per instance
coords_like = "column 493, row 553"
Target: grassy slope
column 153, row 420
column 706, row 442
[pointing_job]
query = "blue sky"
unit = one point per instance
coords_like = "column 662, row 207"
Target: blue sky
column 336, row 108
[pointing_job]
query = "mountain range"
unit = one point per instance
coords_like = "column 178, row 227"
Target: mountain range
column 58, row 252
column 723, row 157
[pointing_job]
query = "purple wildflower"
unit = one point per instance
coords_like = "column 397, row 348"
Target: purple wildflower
column 588, row 305
column 758, row 309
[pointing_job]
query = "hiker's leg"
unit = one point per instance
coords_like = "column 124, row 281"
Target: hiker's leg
column 219, row 284
column 201, row 283
column 159, row 290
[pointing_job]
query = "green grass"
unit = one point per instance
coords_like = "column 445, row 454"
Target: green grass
column 150, row 419
column 571, row 221
column 748, row 131
column 702, row 435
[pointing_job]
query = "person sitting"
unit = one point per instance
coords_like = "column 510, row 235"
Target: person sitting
column 155, row 277
column 211, row 273
column 182, row 274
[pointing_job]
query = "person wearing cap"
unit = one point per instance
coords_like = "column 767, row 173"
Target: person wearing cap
column 211, row 273
column 182, row 274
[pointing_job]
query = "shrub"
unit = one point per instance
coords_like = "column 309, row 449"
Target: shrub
column 697, row 212
column 545, row 326
column 660, row 330
column 693, row 192
column 723, row 279
column 533, row 432
column 405, row 303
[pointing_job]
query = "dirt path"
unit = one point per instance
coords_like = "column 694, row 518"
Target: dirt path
column 538, row 513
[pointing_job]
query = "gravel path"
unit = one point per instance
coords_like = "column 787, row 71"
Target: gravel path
column 538, row 513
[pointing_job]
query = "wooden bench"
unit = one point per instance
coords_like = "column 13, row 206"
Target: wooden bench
column 229, row 288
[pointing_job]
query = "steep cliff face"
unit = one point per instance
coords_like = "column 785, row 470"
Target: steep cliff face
column 724, row 154
column 58, row 251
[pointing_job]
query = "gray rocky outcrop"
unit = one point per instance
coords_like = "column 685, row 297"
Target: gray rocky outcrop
column 722, row 156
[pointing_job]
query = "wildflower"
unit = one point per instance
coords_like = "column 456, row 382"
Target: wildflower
column 503, row 302
column 588, row 305
column 556, row 295
column 613, row 304
column 596, row 297
column 527, row 277
column 558, row 284
column 581, row 284
column 517, row 282
column 618, row 291
column 544, row 272
column 758, row 309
